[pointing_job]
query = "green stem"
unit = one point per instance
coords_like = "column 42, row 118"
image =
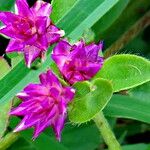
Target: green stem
column 106, row 132
column 132, row 32
column 8, row 140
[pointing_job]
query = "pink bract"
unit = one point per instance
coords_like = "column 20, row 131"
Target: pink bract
column 30, row 29
column 77, row 62
column 44, row 105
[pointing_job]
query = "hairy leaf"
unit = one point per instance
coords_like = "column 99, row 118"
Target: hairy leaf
column 82, row 88
column 86, row 107
column 125, row 71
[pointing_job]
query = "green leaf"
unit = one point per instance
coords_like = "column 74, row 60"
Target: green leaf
column 22, row 144
column 83, row 133
column 125, row 71
column 107, row 20
column 134, row 106
column 55, row 69
column 69, row 141
column 20, row 76
column 4, row 108
column 141, row 92
column 77, row 24
column 128, row 17
column 82, row 88
column 60, row 7
column 6, row 5
column 86, row 107
column 128, row 107
column 88, row 36
column 16, row 60
column 4, row 67
column 140, row 146
column 46, row 141
column 12, row 55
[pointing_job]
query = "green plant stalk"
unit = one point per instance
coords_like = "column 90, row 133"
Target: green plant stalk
column 106, row 132
column 8, row 140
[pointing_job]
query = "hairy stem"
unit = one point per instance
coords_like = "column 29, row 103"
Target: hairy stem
column 8, row 140
column 129, row 35
column 106, row 132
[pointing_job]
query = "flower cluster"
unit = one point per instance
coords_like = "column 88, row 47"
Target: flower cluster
column 44, row 105
column 30, row 29
column 78, row 62
column 32, row 32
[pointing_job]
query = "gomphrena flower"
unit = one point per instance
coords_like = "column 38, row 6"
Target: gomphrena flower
column 30, row 29
column 78, row 62
column 44, row 105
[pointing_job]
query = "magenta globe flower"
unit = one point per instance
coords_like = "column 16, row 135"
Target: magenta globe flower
column 44, row 105
column 30, row 29
column 78, row 62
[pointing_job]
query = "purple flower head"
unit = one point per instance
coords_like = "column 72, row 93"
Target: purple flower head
column 78, row 62
column 30, row 29
column 44, row 105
